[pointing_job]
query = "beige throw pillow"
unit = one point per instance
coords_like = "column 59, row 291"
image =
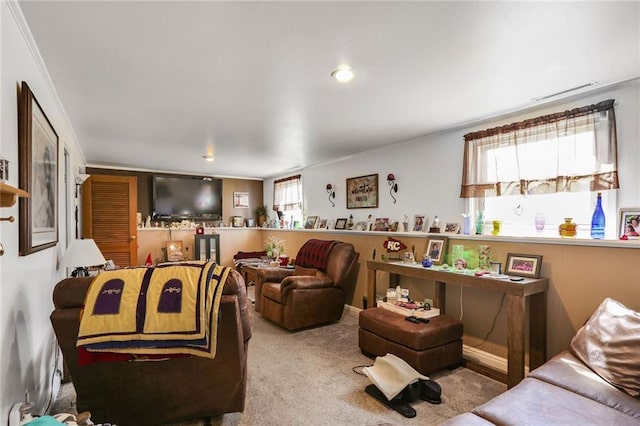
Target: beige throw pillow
column 609, row 344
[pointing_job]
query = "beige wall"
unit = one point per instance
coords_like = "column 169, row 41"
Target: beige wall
column 229, row 186
column 580, row 277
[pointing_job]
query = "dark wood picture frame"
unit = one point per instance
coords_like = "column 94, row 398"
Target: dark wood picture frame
column 523, row 265
column 237, row 221
column 341, row 223
column 362, row 192
column 439, row 244
column 38, row 175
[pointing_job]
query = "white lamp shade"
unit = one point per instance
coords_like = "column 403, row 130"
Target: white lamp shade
column 82, row 253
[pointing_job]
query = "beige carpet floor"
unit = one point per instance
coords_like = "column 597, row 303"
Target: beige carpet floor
column 306, row 378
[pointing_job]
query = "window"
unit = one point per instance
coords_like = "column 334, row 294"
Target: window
column 287, row 198
column 549, row 166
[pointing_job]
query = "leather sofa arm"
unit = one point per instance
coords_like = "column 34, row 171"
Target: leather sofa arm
column 304, row 282
column 273, row 275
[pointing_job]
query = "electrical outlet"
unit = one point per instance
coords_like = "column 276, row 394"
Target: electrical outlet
column 14, row 414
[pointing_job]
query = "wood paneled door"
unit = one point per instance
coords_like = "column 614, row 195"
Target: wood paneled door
column 109, row 216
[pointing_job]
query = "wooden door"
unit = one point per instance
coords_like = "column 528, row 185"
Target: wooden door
column 109, row 216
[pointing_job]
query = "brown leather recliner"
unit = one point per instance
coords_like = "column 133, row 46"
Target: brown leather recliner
column 304, row 296
column 157, row 392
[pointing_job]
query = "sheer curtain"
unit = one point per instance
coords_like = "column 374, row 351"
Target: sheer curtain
column 568, row 151
column 287, row 193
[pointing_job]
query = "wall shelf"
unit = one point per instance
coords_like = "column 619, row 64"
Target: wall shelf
column 9, row 194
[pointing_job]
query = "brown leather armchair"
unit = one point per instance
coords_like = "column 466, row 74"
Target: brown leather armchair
column 307, row 295
column 157, row 392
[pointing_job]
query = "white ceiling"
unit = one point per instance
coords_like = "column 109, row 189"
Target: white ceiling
column 148, row 85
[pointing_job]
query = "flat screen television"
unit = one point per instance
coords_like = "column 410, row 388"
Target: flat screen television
column 187, row 197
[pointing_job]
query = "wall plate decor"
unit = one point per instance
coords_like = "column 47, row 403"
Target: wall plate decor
column 437, row 249
column 362, row 192
column 523, row 265
column 629, row 223
column 38, row 175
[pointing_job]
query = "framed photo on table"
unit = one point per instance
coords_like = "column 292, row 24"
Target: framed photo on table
column 174, row 251
column 437, row 249
column 238, row 221
column 322, row 223
column 381, row 224
column 362, row 192
column 523, row 265
column 311, row 222
column 452, row 228
column 341, row 223
column 629, row 224
column 38, row 175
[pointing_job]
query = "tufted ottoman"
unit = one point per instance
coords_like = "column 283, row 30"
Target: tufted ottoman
column 426, row 347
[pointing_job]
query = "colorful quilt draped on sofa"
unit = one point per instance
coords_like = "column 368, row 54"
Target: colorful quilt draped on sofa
column 170, row 309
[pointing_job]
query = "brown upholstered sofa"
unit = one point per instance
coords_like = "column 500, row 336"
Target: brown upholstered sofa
column 570, row 389
column 158, row 392
column 304, row 296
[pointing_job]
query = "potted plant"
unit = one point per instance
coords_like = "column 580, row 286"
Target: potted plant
column 261, row 215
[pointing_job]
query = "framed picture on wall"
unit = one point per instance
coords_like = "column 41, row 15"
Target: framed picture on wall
column 362, row 192
column 240, row 200
column 38, row 175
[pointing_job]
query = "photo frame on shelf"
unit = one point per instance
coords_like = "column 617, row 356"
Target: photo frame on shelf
column 361, row 226
column 362, row 192
column 436, row 248
column 419, row 223
column 629, row 223
column 381, row 224
column 341, row 223
column 311, row 222
column 322, row 223
column 237, row 221
column 452, row 228
column 174, row 251
column 38, row 175
column 523, row 265
column 240, row 200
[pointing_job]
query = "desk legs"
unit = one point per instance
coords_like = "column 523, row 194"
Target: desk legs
column 515, row 339
column 371, row 288
column 537, row 330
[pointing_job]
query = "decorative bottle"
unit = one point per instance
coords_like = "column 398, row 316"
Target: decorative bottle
column 568, row 228
column 480, row 223
column 597, row 220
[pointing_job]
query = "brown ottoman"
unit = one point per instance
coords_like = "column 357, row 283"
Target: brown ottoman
column 426, row 347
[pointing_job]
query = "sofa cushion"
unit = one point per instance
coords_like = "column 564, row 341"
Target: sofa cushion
column 608, row 344
column 534, row 402
column 566, row 371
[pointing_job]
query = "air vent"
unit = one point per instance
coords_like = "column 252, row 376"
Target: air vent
column 564, row 92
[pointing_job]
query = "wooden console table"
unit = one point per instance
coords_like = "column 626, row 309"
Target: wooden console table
column 516, row 293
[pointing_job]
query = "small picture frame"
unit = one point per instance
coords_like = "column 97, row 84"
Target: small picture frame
column 311, row 222
column 452, row 228
column 361, row 226
column 419, row 223
column 322, row 223
column 523, row 265
column 237, row 221
column 436, row 249
column 174, row 251
column 341, row 223
column 381, row 224
column 251, row 223
column 629, row 223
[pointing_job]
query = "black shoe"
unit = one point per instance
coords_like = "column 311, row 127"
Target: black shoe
column 430, row 391
column 396, row 403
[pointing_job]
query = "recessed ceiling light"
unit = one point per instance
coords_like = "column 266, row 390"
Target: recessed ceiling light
column 209, row 157
column 343, row 74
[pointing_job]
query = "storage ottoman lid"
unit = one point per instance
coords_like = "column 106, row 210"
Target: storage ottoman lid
column 440, row 330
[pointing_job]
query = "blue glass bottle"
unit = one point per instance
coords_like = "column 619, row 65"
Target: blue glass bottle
column 597, row 221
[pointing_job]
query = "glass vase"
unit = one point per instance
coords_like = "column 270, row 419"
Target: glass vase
column 539, row 222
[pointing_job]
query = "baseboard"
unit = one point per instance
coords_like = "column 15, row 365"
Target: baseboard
column 351, row 311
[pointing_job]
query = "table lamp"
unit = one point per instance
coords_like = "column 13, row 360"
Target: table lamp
column 80, row 254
